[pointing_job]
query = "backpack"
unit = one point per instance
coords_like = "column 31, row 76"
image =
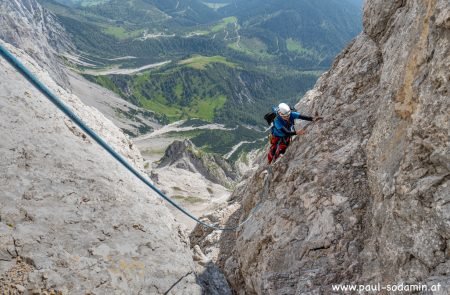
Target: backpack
column 270, row 117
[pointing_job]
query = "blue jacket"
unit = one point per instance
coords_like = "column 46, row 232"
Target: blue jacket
column 282, row 128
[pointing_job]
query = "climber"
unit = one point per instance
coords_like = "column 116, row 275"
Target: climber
column 283, row 129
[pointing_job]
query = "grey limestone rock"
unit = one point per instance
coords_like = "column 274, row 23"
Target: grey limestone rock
column 72, row 220
column 184, row 155
column 27, row 25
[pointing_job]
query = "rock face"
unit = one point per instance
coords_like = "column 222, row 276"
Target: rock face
column 73, row 220
column 131, row 119
column 26, row 25
column 184, row 155
column 364, row 196
column 199, row 181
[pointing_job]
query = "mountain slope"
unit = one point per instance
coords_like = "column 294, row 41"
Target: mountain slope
column 199, row 181
column 68, row 206
column 209, row 88
column 296, row 33
column 182, row 12
column 27, row 25
column 314, row 30
column 73, row 221
column 363, row 198
column 184, row 155
column 220, row 60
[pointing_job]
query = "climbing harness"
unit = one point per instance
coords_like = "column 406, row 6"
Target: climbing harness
column 11, row 59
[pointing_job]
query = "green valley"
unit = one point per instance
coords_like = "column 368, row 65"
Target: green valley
column 287, row 35
column 209, row 88
column 217, row 61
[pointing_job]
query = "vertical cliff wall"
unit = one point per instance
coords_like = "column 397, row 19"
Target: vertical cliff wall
column 27, row 25
column 72, row 220
column 364, row 196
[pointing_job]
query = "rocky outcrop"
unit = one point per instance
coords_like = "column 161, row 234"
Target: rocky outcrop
column 131, row 119
column 363, row 197
column 198, row 181
column 184, row 155
column 72, row 220
column 27, row 25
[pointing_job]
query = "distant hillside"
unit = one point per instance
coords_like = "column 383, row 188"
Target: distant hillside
column 209, row 88
column 222, row 58
column 296, row 34
column 184, row 12
column 301, row 32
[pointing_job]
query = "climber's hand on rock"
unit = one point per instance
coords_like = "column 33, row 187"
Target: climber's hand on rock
column 300, row 132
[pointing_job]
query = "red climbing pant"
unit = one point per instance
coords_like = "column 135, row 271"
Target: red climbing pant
column 278, row 146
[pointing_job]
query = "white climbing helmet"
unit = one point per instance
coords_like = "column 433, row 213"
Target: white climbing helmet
column 284, row 110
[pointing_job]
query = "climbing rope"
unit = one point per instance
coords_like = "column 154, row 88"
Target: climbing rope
column 69, row 113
